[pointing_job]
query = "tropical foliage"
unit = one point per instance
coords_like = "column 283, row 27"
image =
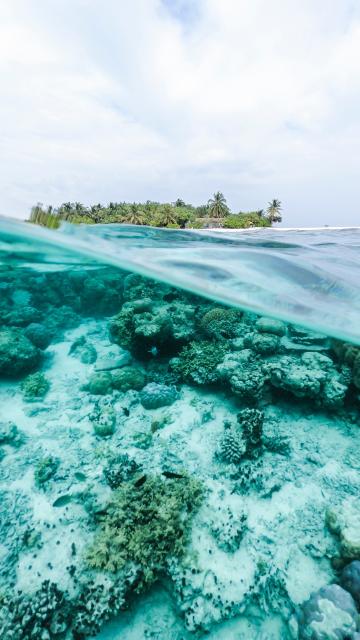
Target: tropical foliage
column 274, row 211
column 175, row 215
column 217, row 206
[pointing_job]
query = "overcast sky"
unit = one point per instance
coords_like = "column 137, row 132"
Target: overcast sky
column 159, row 99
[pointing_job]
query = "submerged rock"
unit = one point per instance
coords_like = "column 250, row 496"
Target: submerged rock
column 84, row 351
column 271, row 325
column 39, row 334
column 350, row 580
column 329, row 614
column 17, row 354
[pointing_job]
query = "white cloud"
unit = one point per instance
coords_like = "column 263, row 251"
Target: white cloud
column 155, row 99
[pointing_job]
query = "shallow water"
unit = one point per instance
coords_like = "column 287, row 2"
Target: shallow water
column 171, row 466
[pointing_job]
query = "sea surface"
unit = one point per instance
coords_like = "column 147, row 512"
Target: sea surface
column 179, row 433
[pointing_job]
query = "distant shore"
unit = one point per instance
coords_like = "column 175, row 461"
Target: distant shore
column 323, row 228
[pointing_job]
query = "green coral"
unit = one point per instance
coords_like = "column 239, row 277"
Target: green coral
column 197, row 362
column 128, row 378
column 45, row 470
column 100, row 383
column 221, row 323
column 35, row 386
column 146, row 525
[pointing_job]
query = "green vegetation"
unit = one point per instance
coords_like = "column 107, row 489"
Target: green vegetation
column 35, row 386
column 176, row 215
column 274, row 211
column 146, row 524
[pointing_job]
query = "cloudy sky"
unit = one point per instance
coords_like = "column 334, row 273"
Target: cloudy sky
column 159, row 99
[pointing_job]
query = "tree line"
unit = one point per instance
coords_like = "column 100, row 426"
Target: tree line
column 175, row 215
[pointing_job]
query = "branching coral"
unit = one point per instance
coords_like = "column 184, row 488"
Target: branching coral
column 197, row 362
column 96, row 604
column 35, row 386
column 232, row 447
column 44, row 615
column 145, row 525
column 244, row 439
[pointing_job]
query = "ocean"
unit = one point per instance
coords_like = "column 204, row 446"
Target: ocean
column 179, row 433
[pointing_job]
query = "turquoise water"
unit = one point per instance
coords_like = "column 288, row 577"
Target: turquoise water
column 179, row 434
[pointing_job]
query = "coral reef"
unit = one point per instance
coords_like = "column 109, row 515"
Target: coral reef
column 344, row 521
column 350, row 580
column 232, row 446
column 129, row 377
column 197, row 362
column 146, row 523
column 44, row 615
column 219, row 497
column 9, row 434
column 35, row 386
column 39, row 334
column 97, row 603
column 221, row 322
column 103, row 418
column 146, row 324
column 156, row 395
column 242, row 371
column 99, row 384
column 243, row 439
column 329, row 613
column 313, row 376
column 17, row 354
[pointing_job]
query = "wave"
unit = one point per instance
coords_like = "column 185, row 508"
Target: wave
column 306, row 277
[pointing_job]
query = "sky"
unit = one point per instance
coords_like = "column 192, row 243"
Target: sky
column 160, row 99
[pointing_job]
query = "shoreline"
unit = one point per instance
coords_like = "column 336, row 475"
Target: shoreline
column 212, row 229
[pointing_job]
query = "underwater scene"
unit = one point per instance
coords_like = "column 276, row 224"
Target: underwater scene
column 179, row 434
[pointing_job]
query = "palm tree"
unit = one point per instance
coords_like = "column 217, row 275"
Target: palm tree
column 167, row 216
column 79, row 208
column 217, row 206
column 274, row 211
column 179, row 203
column 134, row 215
column 66, row 210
